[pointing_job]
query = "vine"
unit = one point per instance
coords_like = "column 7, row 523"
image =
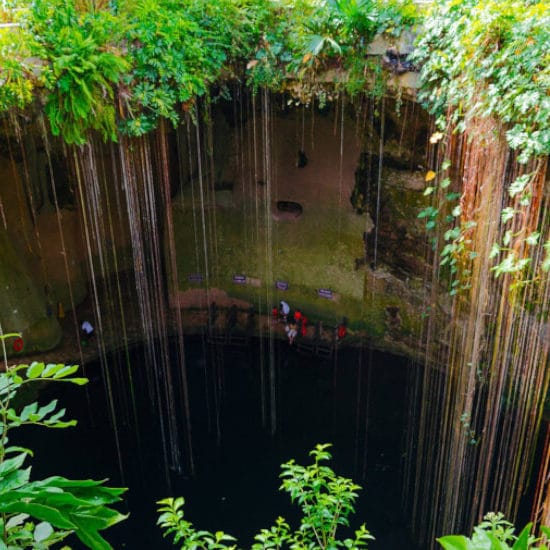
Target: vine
column 487, row 60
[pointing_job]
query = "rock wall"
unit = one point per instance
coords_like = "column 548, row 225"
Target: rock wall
column 24, row 308
column 356, row 231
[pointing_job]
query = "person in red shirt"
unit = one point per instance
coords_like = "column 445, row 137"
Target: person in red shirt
column 303, row 327
column 342, row 329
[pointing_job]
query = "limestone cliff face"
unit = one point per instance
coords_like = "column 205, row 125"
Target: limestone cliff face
column 24, row 307
column 355, row 173
column 336, row 210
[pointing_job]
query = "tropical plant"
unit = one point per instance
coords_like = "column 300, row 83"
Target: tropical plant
column 310, row 37
column 103, row 63
column 16, row 48
column 40, row 513
column 489, row 59
column 84, row 64
column 326, row 500
column 495, row 532
column 178, row 50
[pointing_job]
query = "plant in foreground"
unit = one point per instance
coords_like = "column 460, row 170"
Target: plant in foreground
column 325, row 498
column 39, row 514
column 494, row 532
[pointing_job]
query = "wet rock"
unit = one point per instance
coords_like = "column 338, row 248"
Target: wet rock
column 23, row 305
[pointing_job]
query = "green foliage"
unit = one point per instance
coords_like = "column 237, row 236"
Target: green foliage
column 179, row 49
column 16, row 47
column 84, row 65
column 490, row 59
column 40, row 513
column 326, row 500
column 457, row 252
column 103, row 68
column 510, row 262
column 310, row 38
column 172, row 522
column 494, row 532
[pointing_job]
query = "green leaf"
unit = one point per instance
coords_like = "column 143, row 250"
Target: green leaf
column 454, row 542
column 14, row 480
column 507, row 214
column 28, row 410
column 78, row 381
column 51, row 369
column 519, row 185
column 42, row 531
column 533, row 238
column 47, row 409
column 452, row 196
column 87, row 533
column 65, row 370
column 39, row 511
column 507, row 238
column 12, row 464
column 495, row 250
column 16, row 520
column 35, row 370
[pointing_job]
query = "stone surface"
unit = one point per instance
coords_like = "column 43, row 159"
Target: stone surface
column 23, row 307
column 329, row 246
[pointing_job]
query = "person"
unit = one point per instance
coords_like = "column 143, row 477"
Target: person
column 298, row 317
column 87, row 329
column 275, row 313
column 342, row 329
column 291, row 331
column 284, row 310
column 303, row 327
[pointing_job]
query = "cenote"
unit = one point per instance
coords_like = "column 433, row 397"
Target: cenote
column 171, row 171
column 356, row 400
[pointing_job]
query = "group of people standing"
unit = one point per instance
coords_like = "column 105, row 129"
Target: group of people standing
column 294, row 324
column 297, row 323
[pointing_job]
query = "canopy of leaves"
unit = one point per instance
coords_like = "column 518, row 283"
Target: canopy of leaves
column 105, row 66
column 490, row 59
column 178, row 50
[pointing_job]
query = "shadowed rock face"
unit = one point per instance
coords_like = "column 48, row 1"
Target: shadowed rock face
column 23, row 307
column 318, row 236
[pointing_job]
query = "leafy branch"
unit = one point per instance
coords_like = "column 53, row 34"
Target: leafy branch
column 326, row 501
column 496, row 532
column 40, row 513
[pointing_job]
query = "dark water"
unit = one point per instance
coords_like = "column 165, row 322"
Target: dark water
column 236, row 485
